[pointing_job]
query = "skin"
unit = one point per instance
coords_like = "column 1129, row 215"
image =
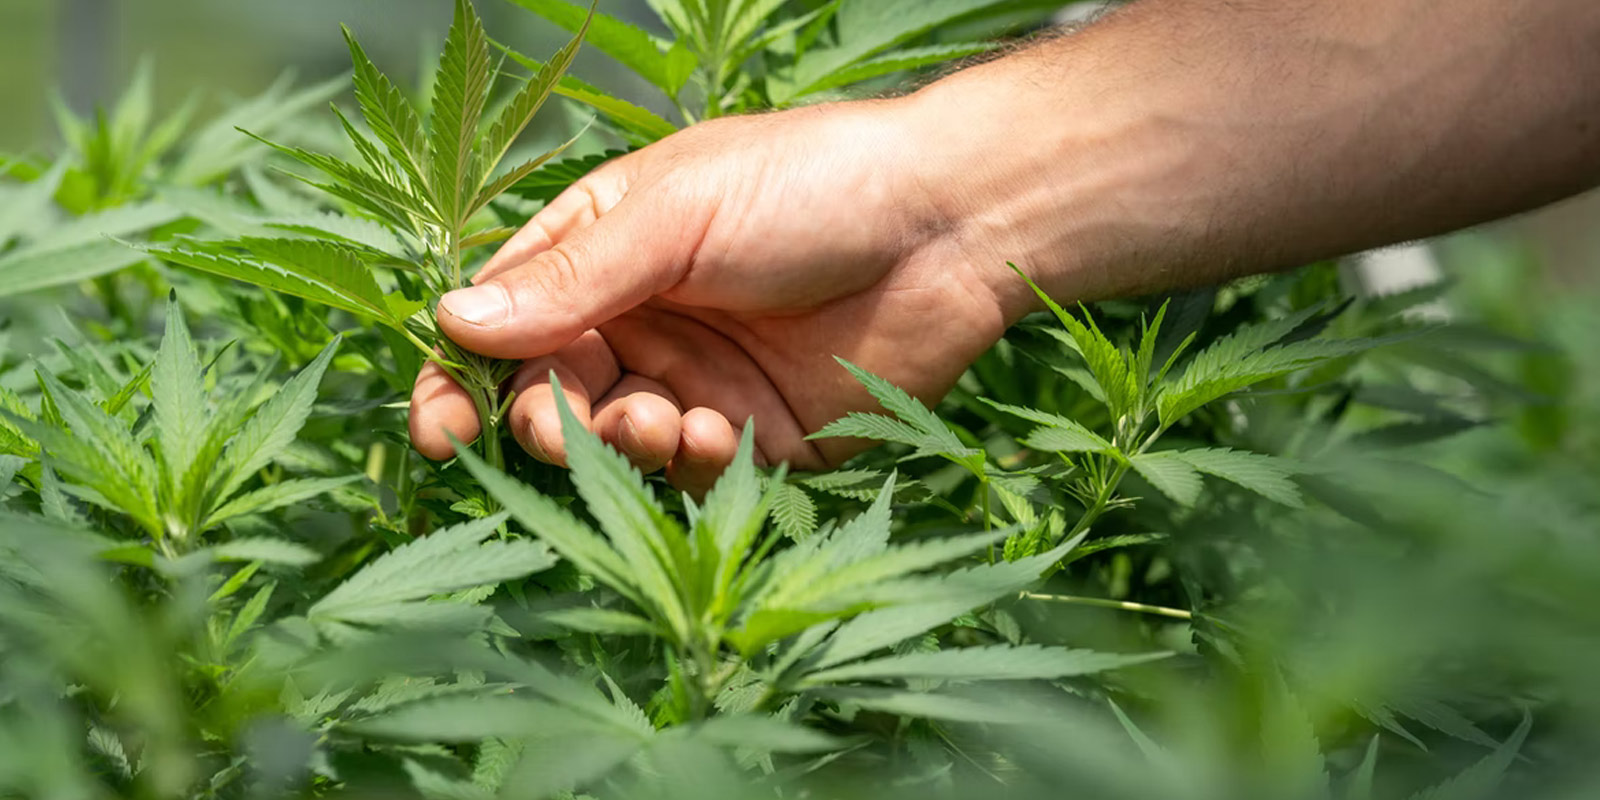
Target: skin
column 709, row 279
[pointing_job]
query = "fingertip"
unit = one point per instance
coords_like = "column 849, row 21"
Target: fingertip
column 707, row 444
column 644, row 427
column 439, row 411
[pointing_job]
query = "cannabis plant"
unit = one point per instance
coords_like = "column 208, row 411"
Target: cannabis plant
column 426, row 185
column 723, row 600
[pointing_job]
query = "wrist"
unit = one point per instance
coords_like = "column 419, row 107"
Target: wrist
column 1034, row 164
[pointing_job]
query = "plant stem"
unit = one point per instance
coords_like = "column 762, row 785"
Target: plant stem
column 1122, row 605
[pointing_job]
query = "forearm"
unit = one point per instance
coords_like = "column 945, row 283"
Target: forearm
column 1180, row 142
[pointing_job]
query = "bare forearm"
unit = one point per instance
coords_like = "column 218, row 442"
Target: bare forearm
column 1186, row 141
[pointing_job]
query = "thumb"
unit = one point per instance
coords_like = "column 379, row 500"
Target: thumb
column 597, row 272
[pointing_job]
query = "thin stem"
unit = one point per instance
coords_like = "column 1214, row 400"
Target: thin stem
column 1121, row 605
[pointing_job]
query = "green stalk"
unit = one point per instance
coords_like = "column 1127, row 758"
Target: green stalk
column 1120, row 605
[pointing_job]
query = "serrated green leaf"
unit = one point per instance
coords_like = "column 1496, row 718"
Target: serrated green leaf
column 177, row 399
column 930, row 705
column 762, row 734
column 274, row 496
column 445, row 561
column 910, row 58
column 666, row 69
column 1113, row 374
column 272, row 428
column 869, row 27
column 1076, row 439
column 218, row 260
column 650, row 541
column 1264, row 475
column 602, row 621
column 549, row 181
column 637, row 120
column 461, row 88
column 102, row 453
column 1173, row 476
column 554, row 524
column 1481, row 780
column 267, row 550
column 516, row 114
column 1195, row 387
column 999, row 662
column 390, row 115
column 249, row 614
column 794, row 512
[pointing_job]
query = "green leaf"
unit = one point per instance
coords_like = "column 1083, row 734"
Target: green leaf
column 517, row 113
column 897, row 61
column 1360, row 786
column 1076, row 439
column 931, row 705
column 275, row 496
column 602, row 621
column 1107, row 363
column 272, row 428
column 444, row 561
column 549, row 181
column 1264, row 475
column 1173, row 476
column 461, row 88
column 390, row 115
column 177, row 399
column 267, row 550
column 908, row 409
column 101, row 452
column 730, row 518
column 21, row 210
column 667, row 69
column 794, row 513
column 869, row 27
column 216, row 149
column 551, row 522
column 1481, row 780
column 470, row 719
column 28, row 270
column 1197, row 387
column 650, row 541
column 762, row 734
column 330, row 277
column 949, row 597
column 499, row 185
column 836, row 588
column 995, row 663
column 637, row 120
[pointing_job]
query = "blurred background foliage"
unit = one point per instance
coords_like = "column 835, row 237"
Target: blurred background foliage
column 1441, row 588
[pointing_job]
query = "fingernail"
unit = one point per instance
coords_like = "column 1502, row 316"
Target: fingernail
column 485, row 306
column 628, row 436
column 535, row 447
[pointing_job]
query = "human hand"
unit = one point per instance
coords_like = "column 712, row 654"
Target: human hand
column 710, row 279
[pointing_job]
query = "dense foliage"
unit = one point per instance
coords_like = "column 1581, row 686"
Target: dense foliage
column 1273, row 539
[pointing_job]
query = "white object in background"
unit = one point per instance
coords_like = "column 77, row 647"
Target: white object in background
column 1398, row 269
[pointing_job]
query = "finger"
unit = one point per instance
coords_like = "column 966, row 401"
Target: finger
column 577, row 207
column 706, row 447
column 706, row 368
column 439, row 410
column 586, row 368
column 642, row 419
column 637, row 250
